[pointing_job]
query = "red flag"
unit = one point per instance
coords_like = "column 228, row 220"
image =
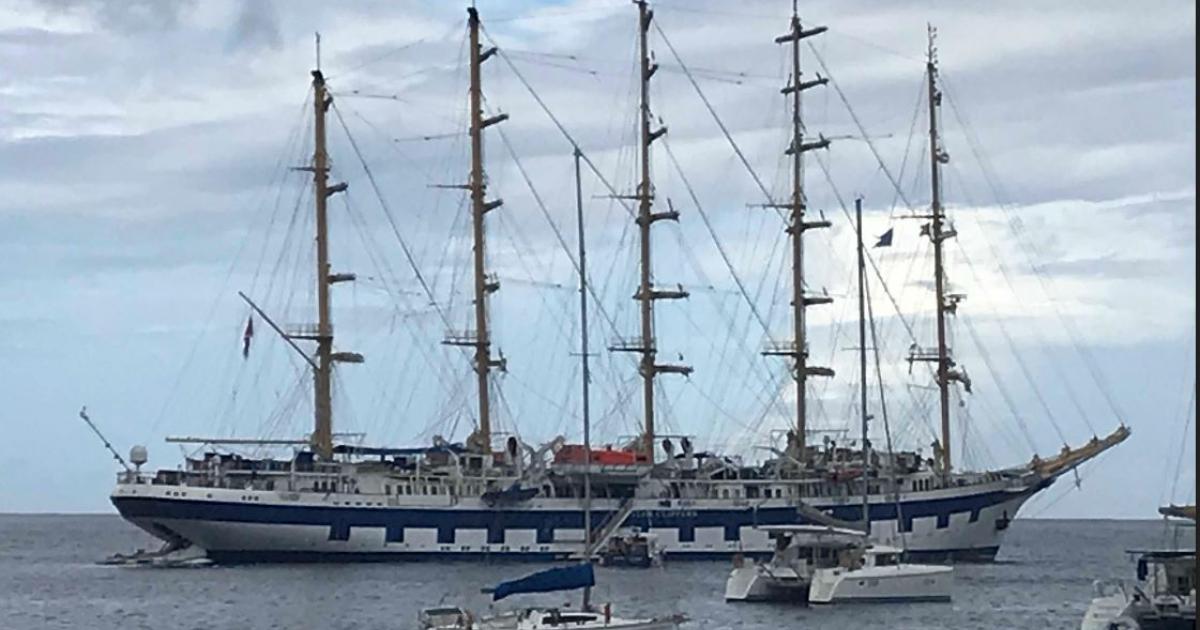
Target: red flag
column 246, row 337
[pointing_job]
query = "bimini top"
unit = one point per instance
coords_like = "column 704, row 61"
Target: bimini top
column 560, row 579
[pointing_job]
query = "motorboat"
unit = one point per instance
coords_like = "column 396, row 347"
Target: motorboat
column 171, row 555
column 573, row 577
column 876, row 573
column 799, row 550
column 633, row 550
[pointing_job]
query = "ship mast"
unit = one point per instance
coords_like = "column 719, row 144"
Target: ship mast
column 797, row 348
column 322, row 438
column 587, row 378
column 484, row 284
column 862, row 364
column 938, row 231
column 647, row 294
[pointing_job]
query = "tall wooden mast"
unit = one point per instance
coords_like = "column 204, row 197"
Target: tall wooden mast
column 646, row 293
column 484, row 285
column 322, row 438
column 938, row 231
column 797, row 348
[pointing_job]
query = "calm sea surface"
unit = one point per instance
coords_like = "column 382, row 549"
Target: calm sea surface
column 48, row 579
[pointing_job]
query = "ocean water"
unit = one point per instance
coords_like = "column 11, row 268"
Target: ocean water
column 49, row 579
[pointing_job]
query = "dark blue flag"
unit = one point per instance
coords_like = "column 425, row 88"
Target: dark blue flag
column 885, row 240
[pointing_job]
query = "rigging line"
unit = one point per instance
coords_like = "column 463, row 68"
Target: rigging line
column 382, row 265
column 878, row 274
column 558, row 235
column 858, row 123
column 912, row 130
column 378, row 58
column 887, row 430
column 998, row 383
column 1089, row 361
column 278, row 179
column 1191, row 408
column 1034, row 329
column 717, row 240
column 736, row 149
column 391, row 220
column 554, row 119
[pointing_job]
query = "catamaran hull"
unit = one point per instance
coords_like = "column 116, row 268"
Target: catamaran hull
column 236, row 526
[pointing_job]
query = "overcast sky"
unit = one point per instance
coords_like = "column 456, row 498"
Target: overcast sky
column 144, row 181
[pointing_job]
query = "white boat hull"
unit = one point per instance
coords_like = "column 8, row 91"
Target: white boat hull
column 897, row 583
column 751, row 583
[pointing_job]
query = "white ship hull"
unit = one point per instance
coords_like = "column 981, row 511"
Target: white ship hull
column 964, row 523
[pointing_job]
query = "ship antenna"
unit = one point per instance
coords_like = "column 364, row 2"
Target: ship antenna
column 484, row 285
column 797, row 348
column 646, row 294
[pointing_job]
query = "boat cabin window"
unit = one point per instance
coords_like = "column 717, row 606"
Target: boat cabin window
column 886, row 560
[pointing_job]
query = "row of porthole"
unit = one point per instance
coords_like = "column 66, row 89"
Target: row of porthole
column 359, row 503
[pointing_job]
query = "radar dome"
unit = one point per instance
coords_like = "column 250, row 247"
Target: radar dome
column 138, row 455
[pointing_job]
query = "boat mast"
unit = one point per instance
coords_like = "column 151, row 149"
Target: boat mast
column 583, row 357
column 484, row 285
column 322, row 438
column 797, row 349
column 647, row 294
column 862, row 362
column 938, row 231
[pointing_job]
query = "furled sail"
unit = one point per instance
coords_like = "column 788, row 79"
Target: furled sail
column 559, row 579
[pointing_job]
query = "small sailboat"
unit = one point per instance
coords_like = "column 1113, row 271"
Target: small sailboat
column 578, row 576
column 869, row 572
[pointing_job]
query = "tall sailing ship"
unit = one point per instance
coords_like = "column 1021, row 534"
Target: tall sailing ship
column 478, row 499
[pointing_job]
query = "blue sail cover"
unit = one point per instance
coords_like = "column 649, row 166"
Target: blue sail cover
column 560, row 579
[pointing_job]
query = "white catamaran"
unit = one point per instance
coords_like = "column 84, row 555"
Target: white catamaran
column 479, row 499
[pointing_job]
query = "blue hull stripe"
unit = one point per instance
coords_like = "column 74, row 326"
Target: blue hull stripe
column 983, row 554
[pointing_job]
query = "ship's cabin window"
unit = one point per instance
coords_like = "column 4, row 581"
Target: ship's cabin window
column 407, row 489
